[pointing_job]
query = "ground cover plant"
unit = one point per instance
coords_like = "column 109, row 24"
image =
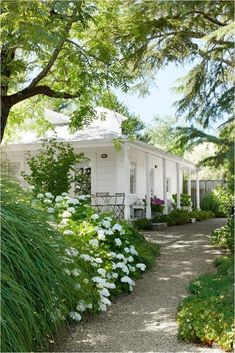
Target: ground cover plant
column 207, row 315
column 61, row 261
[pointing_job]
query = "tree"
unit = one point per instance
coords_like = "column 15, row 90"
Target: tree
column 55, row 49
column 156, row 33
column 162, row 134
column 224, row 148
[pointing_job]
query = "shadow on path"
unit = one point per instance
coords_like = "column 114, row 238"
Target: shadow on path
column 144, row 321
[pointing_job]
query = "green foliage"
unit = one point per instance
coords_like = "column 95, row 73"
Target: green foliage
column 63, row 48
column 224, row 236
column 143, row 224
column 185, row 199
column 177, row 217
column 51, row 167
column 162, row 134
column 201, row 215
column 223, row 157
column 219, row 201
column 207, row 315
column 36, row 295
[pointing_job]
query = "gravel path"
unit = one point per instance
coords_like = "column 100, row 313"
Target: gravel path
column 144, row 321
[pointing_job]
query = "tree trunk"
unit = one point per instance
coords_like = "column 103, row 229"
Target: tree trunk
column 5, row 109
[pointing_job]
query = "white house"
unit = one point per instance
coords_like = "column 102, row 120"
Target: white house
column 135, row 170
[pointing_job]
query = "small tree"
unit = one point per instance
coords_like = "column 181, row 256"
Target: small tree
column 51, row 168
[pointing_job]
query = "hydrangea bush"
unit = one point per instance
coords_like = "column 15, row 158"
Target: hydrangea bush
column 100, row 254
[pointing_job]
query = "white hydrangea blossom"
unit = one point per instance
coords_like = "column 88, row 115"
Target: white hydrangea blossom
column 101, row 271
column 75, row 316
column 71, row 251
column 98, row 260
column 68, row 232
column 66, row 214
column 49, row 195
column 118, row 241
column 108, row 232
column 73, row 201
column 47, row 201
column 82, row 197
column 128, row 280
column 132, row 250
column 58, row 199
column 127, row 250
column 100, row 234
column 95, row 216
column 141, row 266
column 94, row 243
column 76, row 272
column 104, row 292
column 106, row 224
column 51, row 210
column 71, row 210
column 85, row 257
column 64, row 194
column 40, row 196
column 117, row 227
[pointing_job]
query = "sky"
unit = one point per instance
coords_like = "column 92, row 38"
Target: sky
column 161, row 98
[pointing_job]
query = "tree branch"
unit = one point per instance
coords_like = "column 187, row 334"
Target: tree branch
column 209, row 18
column 43, row 89
column 54, row 55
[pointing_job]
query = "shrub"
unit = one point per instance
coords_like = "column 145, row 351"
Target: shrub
column 219, row 201
column 185, row 199
column 36, row 295
column 224, row 236
column 113, row 253
column 207, row 315
column 201, row 215
column 177, row 217
column 51, row 167
column 143, row 224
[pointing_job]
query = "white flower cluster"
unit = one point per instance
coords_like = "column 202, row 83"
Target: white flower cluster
column 100, row 233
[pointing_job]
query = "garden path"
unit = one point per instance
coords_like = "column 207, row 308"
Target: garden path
column 144, row 321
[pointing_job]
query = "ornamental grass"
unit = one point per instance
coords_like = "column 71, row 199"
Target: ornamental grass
column 35, row 293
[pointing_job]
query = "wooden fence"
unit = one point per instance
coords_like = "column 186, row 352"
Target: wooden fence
column 205, row 187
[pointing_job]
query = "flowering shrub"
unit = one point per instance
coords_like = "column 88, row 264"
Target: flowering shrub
column 157, row 204
column 108, row 251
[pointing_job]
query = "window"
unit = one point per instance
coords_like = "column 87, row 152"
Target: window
column 83, row 179
column 133, row 178
column 168, row 184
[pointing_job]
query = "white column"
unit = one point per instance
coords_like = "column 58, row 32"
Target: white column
column 164, row 185
column 148, row 192
column 178, row 185
column 189, row 183
column 127, row 182
column 197, row 192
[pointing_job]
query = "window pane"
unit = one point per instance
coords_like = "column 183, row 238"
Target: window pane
column 133, row 178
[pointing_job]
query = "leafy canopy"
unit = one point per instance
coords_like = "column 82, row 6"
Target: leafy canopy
column 59, row 49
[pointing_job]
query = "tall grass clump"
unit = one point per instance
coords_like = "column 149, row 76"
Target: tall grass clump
column 35, row 292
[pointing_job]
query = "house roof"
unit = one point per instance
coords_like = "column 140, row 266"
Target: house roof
column 102, row 130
